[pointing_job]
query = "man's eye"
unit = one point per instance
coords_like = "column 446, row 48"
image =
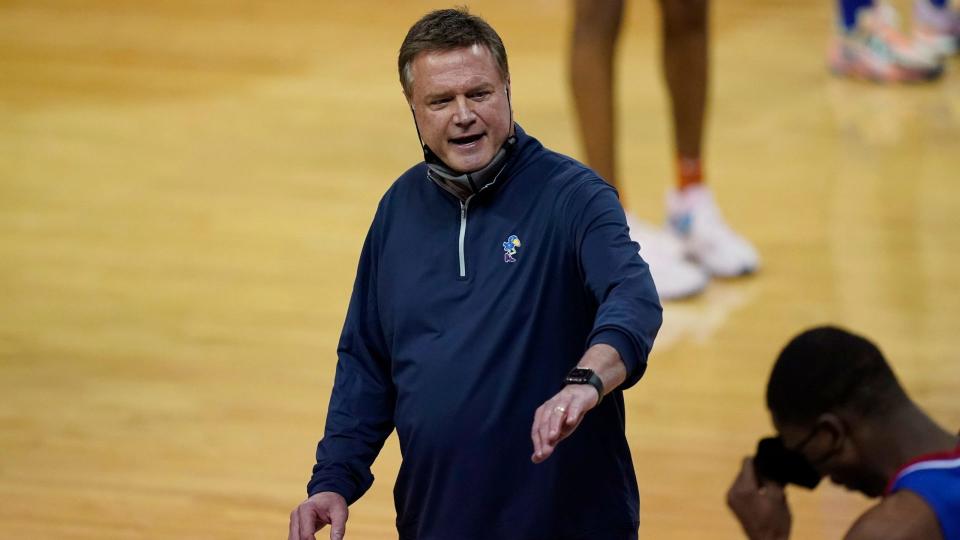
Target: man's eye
column 440, row 101
column 480, row 95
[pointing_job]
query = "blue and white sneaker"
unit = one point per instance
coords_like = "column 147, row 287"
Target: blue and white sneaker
column 876, row 50
column 706, row 238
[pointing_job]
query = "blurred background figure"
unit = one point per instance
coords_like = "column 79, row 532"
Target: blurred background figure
column 696, row 243
column 869, row 43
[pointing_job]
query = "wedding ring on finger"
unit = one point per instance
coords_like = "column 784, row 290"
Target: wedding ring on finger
column 560, row 409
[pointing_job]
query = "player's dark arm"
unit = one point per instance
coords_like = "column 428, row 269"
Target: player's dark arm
column 901, row 516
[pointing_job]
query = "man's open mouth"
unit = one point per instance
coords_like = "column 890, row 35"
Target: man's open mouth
column 466, row 140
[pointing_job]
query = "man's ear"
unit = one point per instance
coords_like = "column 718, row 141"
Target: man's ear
column 834, row 425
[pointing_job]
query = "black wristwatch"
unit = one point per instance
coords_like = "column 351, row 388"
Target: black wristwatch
column 579, row 375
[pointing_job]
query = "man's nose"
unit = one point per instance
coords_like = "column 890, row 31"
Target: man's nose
column 464, row 115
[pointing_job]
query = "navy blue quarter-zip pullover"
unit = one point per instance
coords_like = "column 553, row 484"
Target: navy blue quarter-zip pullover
column 465, row 317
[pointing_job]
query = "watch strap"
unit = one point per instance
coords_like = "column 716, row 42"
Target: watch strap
column 576, row 376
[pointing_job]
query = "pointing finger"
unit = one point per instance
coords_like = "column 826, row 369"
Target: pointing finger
column 308, row 523
column 338, row 523
column 535, row 436
column 294, row 526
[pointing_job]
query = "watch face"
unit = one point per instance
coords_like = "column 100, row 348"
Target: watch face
column 579, row 376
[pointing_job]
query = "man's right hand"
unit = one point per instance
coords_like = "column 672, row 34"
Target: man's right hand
column 760, row 505
column 324, row 508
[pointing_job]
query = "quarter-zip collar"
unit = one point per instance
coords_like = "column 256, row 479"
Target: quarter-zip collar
column 466, row 186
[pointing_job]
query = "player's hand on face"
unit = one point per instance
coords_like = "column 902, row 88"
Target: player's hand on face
column 559, row 416
column 760, row 505
column 324, row 508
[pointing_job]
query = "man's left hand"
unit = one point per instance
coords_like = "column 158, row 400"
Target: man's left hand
column 559, row 416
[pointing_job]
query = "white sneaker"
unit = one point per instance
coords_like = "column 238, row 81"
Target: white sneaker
column 674, row 276
column 706, row 237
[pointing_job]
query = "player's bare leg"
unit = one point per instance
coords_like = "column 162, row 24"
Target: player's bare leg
column 693, row 214
column 593, row 51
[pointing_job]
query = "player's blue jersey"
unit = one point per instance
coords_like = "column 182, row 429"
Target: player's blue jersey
column 936, row 479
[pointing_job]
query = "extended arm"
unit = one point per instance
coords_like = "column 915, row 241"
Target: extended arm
column 628, row 314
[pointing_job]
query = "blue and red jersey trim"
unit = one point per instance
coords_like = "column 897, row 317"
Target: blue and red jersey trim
column 936, row 460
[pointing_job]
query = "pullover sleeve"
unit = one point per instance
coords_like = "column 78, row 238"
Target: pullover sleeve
column 360, row 415
column 629, row 312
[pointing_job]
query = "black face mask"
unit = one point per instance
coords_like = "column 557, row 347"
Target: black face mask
column 784, row 466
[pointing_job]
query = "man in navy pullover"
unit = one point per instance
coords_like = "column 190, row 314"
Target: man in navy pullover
column 499, row 308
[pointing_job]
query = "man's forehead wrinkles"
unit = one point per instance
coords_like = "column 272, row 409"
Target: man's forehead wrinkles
column 450, row 85
column 460, row 83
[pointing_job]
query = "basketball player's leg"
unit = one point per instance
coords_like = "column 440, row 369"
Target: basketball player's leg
column 592, row 53
column 692, row 212
column 685, row 65
column 593, row 50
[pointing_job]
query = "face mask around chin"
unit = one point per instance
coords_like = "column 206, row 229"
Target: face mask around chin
column 472, row 182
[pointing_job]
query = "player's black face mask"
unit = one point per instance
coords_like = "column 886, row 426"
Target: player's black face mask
column 471, row 182
column 783, row 465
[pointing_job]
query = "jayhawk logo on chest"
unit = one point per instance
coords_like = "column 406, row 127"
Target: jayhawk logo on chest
column 510, row 248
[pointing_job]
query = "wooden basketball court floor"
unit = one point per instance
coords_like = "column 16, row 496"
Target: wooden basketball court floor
column 185, row 185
